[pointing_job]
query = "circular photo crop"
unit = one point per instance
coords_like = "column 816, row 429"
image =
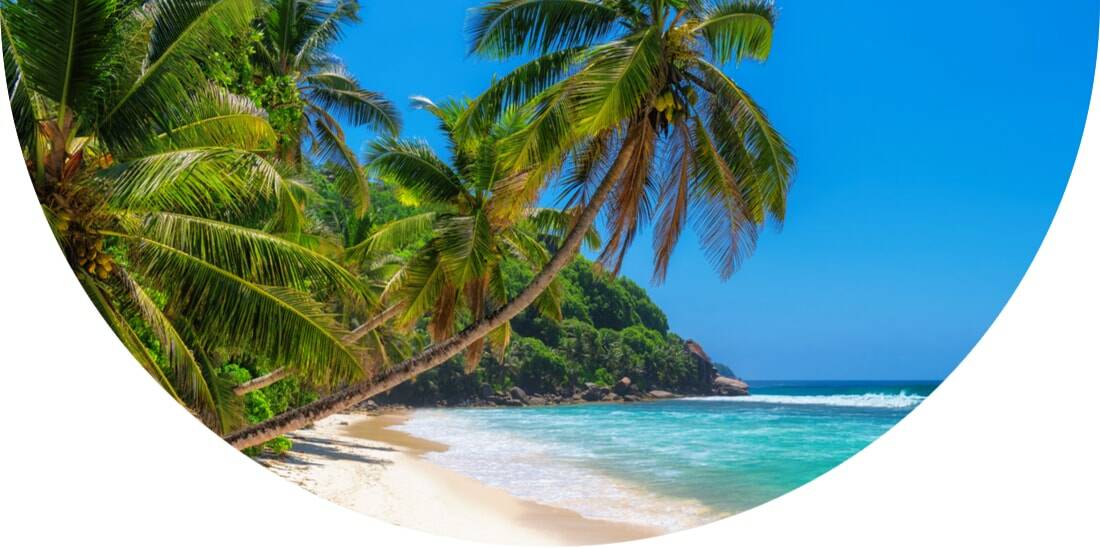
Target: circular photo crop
column 550, row 272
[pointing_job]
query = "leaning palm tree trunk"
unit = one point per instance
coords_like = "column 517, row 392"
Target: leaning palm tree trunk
column 281, row 373
column 437, row 354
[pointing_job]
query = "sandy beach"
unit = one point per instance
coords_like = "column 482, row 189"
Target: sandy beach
column 359, row 462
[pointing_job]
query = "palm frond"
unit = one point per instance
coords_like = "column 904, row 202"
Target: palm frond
column 283, row 324
column 179, row 33
column 465, row 245
column 774, row 161
column 503, row 28
column 414, row 166
column 251, row 254
column 618, row 80
column 200, row 181
column 395, row 235
column 329, row 143
column 738, row 30
column 104, row 304
column 66, row 38
column 335, row 90
column 187, row 374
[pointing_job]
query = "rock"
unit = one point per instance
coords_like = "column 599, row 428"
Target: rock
column 611, row 396
column 592, row 394
column 631, row 398
column 635, row 390
column 622, row 387
column 485, row 391
column 513, row 403
column 498, row 400
column 726, row 386
column 536, row 400
column 370, row 405
column 517, row 393
column 661, row 394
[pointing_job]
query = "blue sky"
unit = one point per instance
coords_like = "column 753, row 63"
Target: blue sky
column 934, row 143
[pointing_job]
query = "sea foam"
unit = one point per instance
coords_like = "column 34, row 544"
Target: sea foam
column 876, row 400
column 547, row 472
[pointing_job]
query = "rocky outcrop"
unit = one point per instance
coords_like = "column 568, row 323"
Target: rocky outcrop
column 622, row 387
column 726, row 386
column 661, row 394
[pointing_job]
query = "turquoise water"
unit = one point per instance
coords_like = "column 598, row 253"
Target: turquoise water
column 675, row 463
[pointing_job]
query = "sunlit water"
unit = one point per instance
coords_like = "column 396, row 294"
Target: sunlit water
column 674, row 463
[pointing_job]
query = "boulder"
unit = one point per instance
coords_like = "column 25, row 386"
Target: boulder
column 517, row 393
column 726, row 386
column 622, row 387
column 631, row 398
column 536, row 400
column 513, row 403
column 611, row 396
column 661, row 394
column 593, row 394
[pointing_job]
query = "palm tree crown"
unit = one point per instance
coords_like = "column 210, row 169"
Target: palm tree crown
column 297, row 35
column 468, row 232
column 648, row 73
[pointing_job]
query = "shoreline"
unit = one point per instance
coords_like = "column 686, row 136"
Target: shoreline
column 361, row 463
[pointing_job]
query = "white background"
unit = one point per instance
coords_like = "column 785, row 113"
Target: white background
column 1005, row 452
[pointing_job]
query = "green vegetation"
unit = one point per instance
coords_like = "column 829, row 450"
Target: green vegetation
column 610, row 330
column 190, row 158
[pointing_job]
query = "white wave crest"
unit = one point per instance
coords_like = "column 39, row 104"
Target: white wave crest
column 878, row 400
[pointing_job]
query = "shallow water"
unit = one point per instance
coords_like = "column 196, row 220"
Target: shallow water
column 673, row 463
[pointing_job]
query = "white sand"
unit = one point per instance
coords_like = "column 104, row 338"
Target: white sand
column 355, row 461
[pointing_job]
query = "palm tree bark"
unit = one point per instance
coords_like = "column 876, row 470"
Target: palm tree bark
column 262, row 381
column 436, row 354
column 281, row 373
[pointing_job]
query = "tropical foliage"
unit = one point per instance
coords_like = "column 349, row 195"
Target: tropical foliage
column 157, row 184
column 467, row 232
column 190, row 157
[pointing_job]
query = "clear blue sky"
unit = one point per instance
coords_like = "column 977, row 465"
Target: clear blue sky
column 934, row 143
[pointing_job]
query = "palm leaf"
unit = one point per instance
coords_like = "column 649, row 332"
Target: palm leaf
column 503, row 28
column 198, row 181
column 188, row 380
column 66, row 37
column 335, row 90
column 179, row 33
column 282, row 324
column 414, row 166
column 251, row 254
column 739, row 29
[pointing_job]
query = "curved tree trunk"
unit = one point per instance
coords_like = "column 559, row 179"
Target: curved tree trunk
column 282, row 372
column 436, row 354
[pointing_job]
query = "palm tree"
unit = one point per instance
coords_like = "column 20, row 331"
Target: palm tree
column 296, row 37
column 468, row 231
column 633, row 91
column 148, row 176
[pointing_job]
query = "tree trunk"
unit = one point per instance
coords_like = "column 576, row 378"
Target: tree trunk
column 436, row 354
column 282, row 372
column 262, row 381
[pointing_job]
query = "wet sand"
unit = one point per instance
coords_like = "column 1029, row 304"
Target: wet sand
column 362, row 463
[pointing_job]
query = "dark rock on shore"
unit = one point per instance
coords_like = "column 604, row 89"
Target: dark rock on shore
column 622, row 387
column 517, row 393
column 661, row 394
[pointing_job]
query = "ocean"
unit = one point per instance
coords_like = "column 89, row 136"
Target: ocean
column 672, row 463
